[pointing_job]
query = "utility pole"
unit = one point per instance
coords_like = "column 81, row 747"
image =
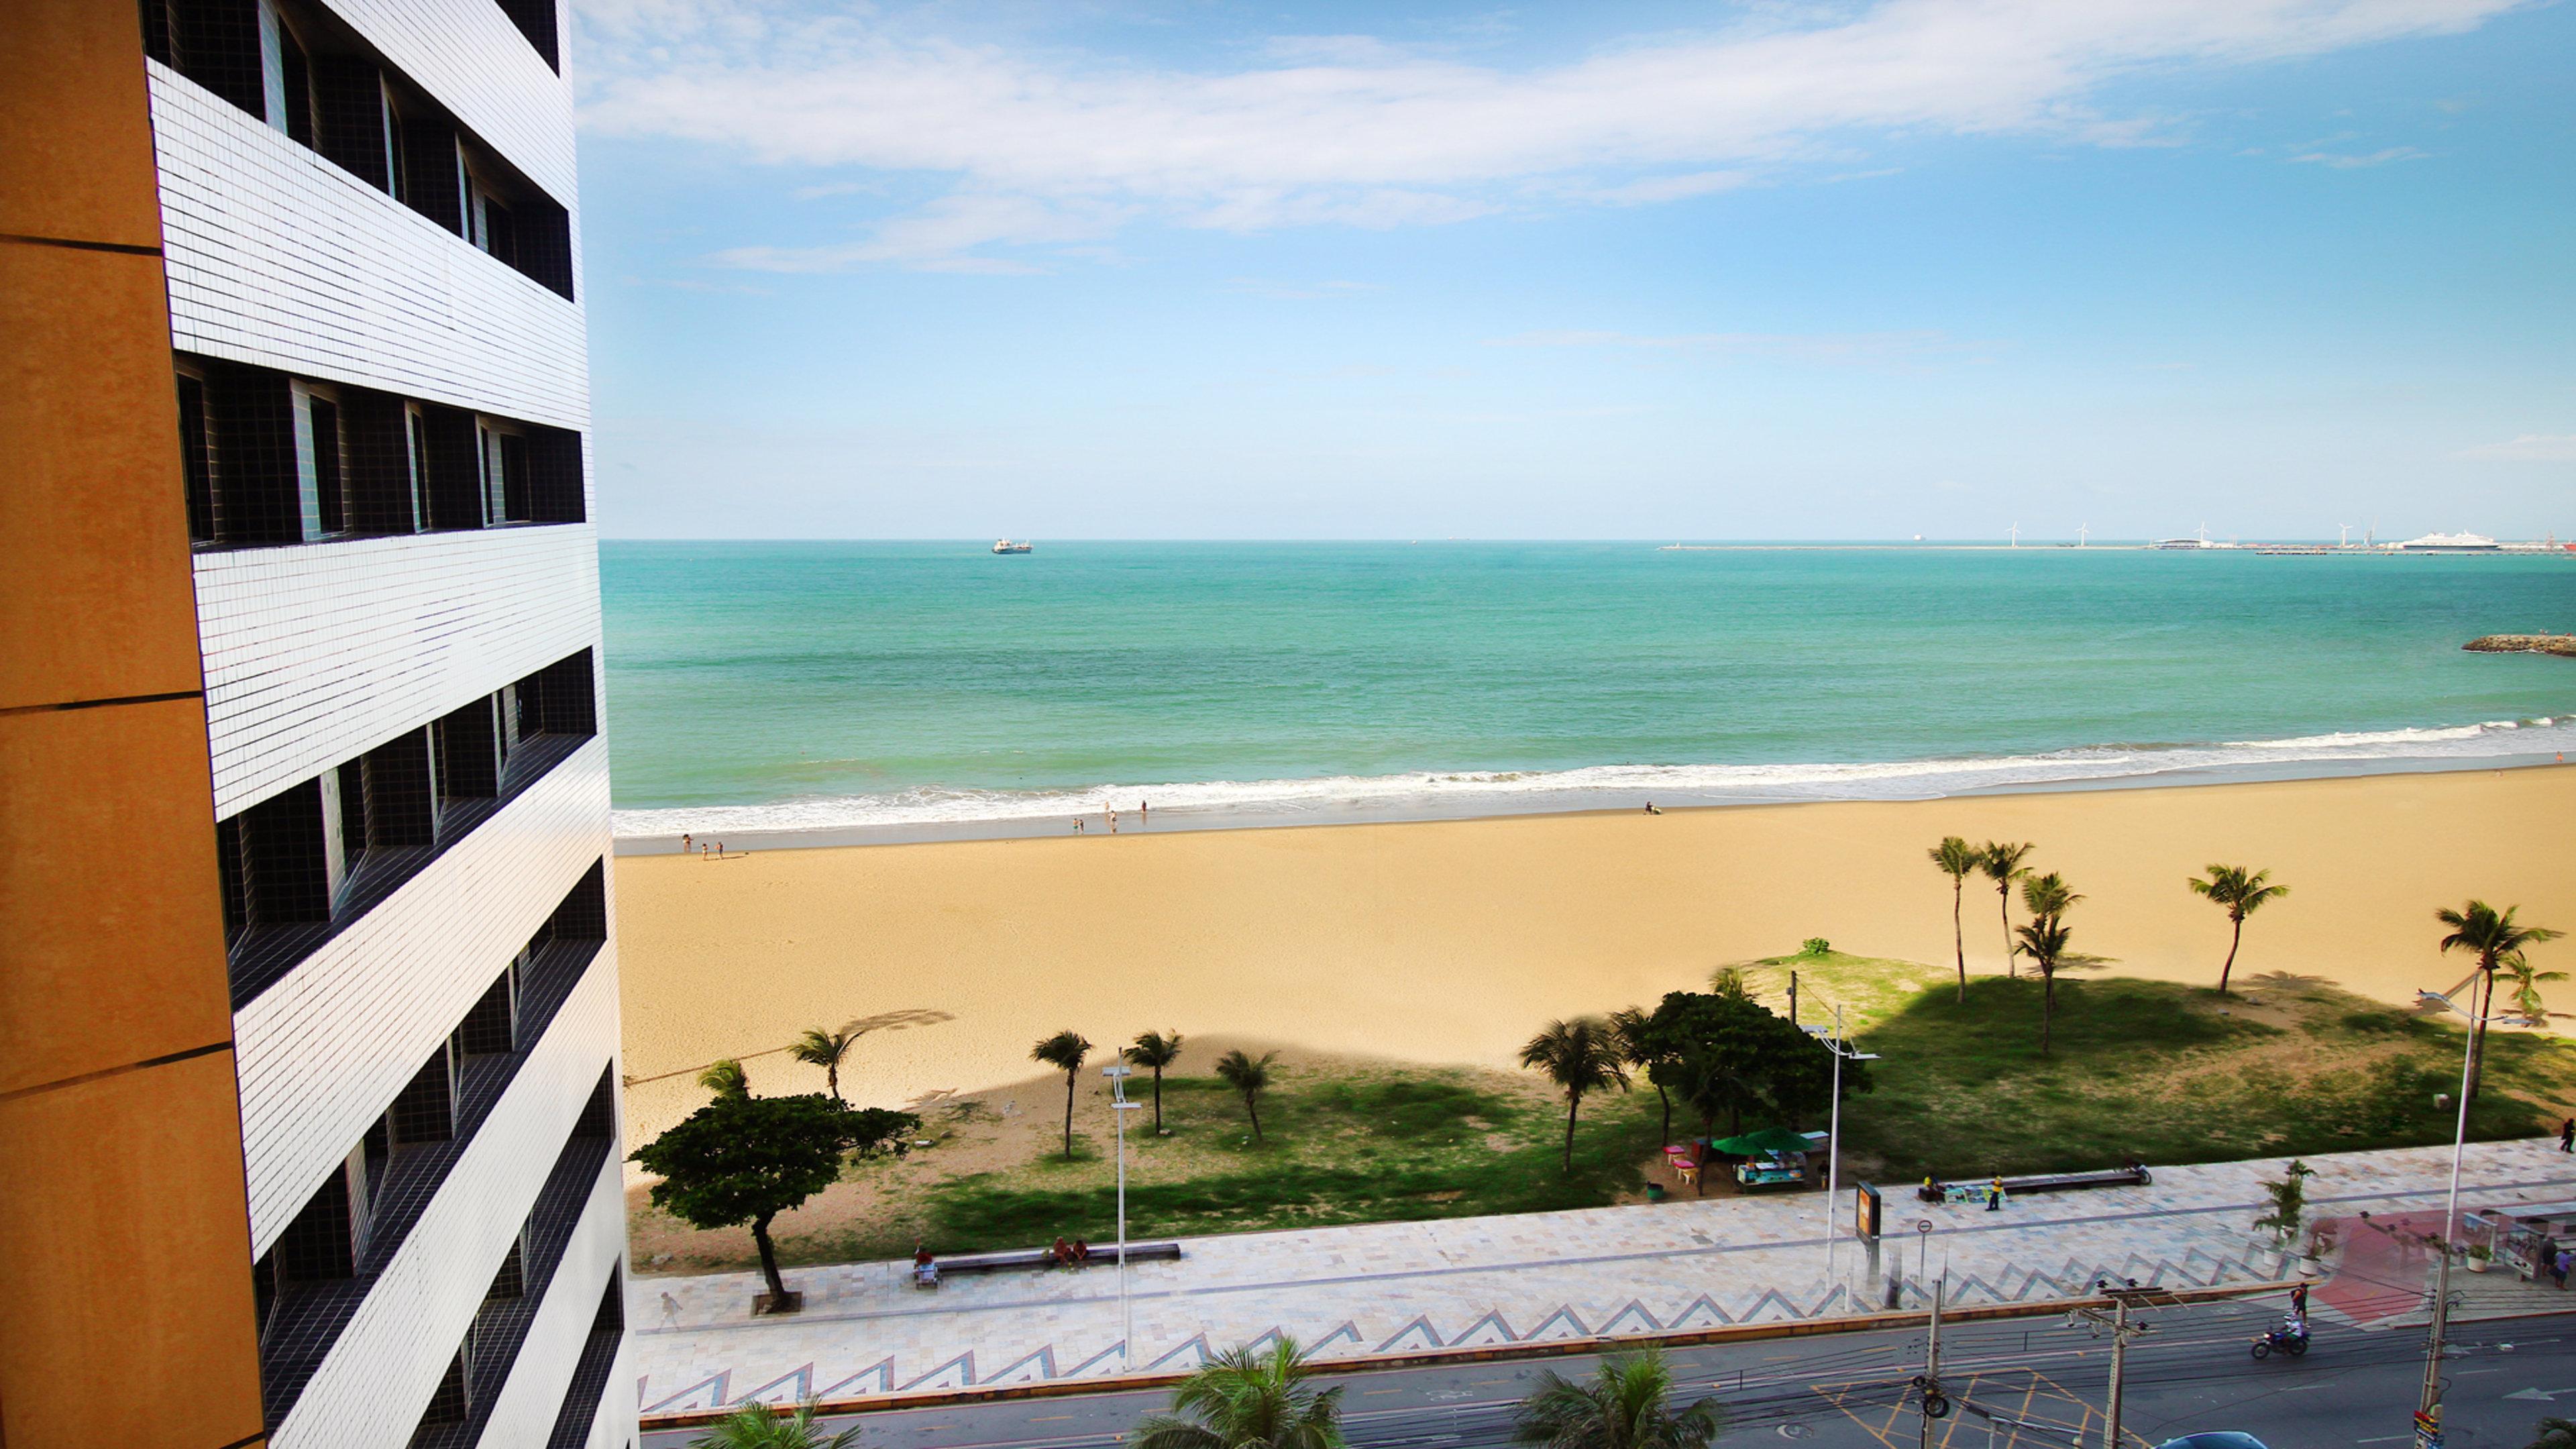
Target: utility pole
column 2122, row 1330
column 1936, row 1405
column 1843, row 1052
column 1119, row 1107
column 1793, row 998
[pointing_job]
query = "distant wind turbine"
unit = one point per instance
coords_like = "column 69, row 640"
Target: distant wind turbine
column 2081, row 531
column 2343, row 535
column 2015, row 531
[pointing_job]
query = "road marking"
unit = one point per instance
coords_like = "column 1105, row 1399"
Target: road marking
column 1047, row 1418
column 1364, row 1393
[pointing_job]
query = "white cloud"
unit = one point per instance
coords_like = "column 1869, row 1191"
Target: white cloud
column 1352, row 130
column 2348, row 162
column 2529, row 448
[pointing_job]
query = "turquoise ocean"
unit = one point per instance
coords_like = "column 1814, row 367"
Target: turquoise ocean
column 911, row 690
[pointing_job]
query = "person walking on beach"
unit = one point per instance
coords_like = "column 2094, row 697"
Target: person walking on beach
column 1113, row 822
column 1143, row 806
column 685, row 847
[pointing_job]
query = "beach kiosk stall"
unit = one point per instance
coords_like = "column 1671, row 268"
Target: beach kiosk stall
column 1774, row 1158
column 2527, row 1234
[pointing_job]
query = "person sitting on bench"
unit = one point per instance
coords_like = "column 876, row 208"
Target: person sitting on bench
column 925, row 1268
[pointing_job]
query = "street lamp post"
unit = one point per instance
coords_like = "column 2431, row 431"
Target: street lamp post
column 2428, row 1405
column 1119, row 1107
column 1833, row 1039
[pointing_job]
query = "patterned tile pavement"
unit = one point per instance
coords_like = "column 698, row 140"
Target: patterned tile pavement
column 1399, row 1287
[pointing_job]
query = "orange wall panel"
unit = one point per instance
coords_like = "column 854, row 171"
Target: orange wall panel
column 77, row 158
column 115, row 947
column 98, row 601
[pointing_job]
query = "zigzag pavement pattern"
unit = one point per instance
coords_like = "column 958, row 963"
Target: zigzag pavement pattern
column 1395, row 1288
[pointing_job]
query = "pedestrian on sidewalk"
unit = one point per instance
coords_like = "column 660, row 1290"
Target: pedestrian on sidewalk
column 2567, row 1135
column 2558, row 1266
column 1995, row 1195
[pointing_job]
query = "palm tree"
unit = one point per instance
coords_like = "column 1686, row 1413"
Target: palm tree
column 2044, row 940
column 1248, row 1400
column 2493, row 935
column 1630, row 1031
column 825, row 1049
column 1626, row 1405
column 2554, row 1433
column 753, row 1426
column 1580, row 1056
column 2516, row 968
column 1065, row 1052
column 2242, row 892
column 1155, row 1049
column 1249, row 1076
column 726, row 1079
column 2002, row 864
column 1956, row 858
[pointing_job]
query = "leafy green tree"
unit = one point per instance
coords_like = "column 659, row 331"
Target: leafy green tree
column 1627, row 1404
column 1579, row 1056
column 2492, row 935
column 1956, row 858
column 1728, row 981
column 825, row 1049
column 1797, row 1078
column 747, row 1159
column 726, row 1079
column 2002, row 863
column 1248, row 1400
column 1157, row 1050
column 1250, row 1077
column 1065, row 1051
column 1632, row 1029
column 755, row 1427
column 1709, row 1049
column 2242, row 892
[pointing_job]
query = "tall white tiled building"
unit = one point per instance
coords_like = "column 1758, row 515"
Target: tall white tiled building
column 378, row 474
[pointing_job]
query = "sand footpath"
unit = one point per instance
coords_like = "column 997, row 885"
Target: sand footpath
column 1450, row 942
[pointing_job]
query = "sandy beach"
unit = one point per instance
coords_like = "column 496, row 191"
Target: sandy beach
column 1449, row 942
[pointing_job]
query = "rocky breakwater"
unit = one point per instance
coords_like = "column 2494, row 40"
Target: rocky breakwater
column 2562, row 645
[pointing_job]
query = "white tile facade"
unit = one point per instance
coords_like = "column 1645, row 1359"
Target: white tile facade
column 315, row 653
column 279, row 258
column 324, row 1051
column 370, row 1390
column 318, row 652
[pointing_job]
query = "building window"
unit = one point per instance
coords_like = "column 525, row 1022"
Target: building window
column 491, row 1028
column 425, row 1110
column 448, row 1404
column 469, row 754
column 196, row 458
column 536, row 21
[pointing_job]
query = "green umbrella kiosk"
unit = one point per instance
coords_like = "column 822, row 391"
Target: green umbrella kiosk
column 1774, row 1157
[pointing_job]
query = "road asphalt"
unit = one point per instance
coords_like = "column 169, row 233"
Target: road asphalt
column 2018, row 1383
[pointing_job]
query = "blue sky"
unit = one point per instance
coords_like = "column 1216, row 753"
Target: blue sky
column 1773, row 270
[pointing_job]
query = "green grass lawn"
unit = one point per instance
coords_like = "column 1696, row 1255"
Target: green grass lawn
column 2158, row 1071
column 1333, row 1150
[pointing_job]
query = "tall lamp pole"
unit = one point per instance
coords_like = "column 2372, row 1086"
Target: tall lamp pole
column 1832, row 1037
column 2428, row 1405
column 1119, row 1107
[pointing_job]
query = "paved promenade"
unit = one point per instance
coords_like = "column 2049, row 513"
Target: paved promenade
column 1400, row 1287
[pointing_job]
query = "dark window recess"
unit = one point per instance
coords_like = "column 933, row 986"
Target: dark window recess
column 514, row 477
column 349, row 117
column 301, row 866
column 212, row 42
column 285, row 877
column 536, row 20
column 426, row 1109
column 491, row 1028
column 492, row 229
column 511, row 1280
column 554, row 468
column 433, row 170
column 256, row 492
column 403, row 1177
column 469, row 753
column 376, row 434
column 318, row 1246
column 294, row 89
column 196, row 459
column 455, row 474
column 447, row 1404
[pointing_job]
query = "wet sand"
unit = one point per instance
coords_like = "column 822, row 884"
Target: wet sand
column 1452, row 941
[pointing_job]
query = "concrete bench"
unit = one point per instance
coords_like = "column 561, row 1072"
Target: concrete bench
column 1018, row 1259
